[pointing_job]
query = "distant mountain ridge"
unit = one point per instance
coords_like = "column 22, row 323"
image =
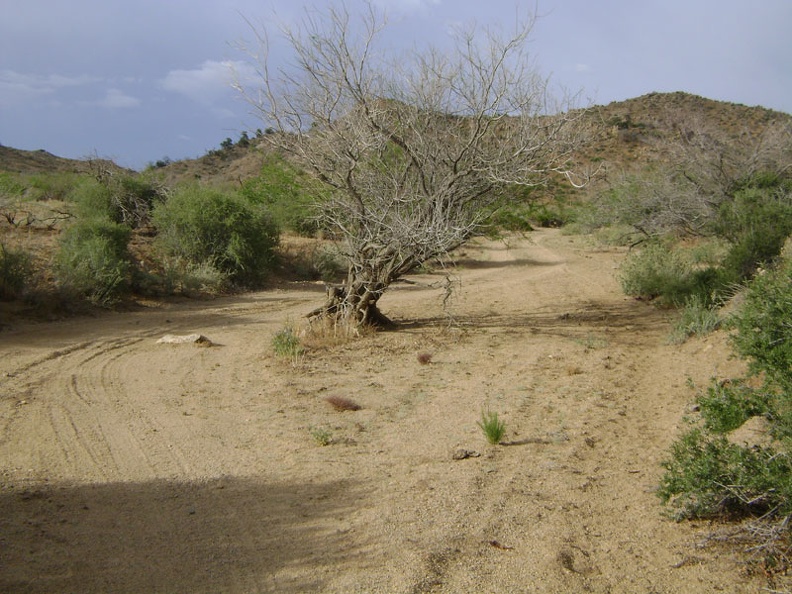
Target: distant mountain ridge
column 621, row 133
column 22, row 161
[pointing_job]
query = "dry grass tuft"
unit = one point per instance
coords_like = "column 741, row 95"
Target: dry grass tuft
column 342, row 404
column 327, row 333
column 424, row 358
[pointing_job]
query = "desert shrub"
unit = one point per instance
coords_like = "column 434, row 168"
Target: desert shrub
column 708, row 476
column 326, row 264
column 202, row 226
column 93, row 200
column 511, row 217
column 134, row 198
column 53, row 186
column 655, row 271
column 10, row 187
column 16, row 269
column 698, row 317
column 92, row 261
column 653, row 203
column 187, row 278
column 124, row 199
column 764, row 325
column 756, row 221
column 727, row 405
column 321, row 435
column 287, row 193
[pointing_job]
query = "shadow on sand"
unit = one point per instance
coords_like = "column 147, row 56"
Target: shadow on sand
column 220, row 535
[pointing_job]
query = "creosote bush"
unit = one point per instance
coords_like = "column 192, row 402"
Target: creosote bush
column 287, row 193
column 708, row 475
column 657, row 272
column 93, row 262
column 16, row 270
column 202, row 226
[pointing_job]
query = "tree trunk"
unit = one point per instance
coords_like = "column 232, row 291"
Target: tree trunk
column 353, row 303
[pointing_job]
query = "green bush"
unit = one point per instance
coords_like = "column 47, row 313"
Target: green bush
column 756, row 221
column 288, row 194
column 657, row 272
column 94, row 200
column 764, row 326
column 11, row 186
column 16, row 269
column 185, row 278
column 122, row 199
column 286, row 344
column 727, row 405
column 511, row 217
column 202, row 226
column 92, row 261
column 708, row 476
column 53, row 186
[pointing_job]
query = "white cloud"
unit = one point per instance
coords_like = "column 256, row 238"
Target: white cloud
column 582, row 68
column 117, row 99
column 17, row 88
column 207, row 84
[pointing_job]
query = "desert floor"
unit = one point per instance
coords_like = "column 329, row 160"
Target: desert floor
column 133, row 466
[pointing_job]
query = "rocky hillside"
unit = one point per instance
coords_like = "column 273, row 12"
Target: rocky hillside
column 621, row 133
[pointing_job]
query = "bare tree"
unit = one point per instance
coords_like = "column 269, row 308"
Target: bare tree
column 716, row 162
column 413, row 149
column 703, row 168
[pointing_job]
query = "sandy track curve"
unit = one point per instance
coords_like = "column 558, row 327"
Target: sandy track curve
column 130, row 466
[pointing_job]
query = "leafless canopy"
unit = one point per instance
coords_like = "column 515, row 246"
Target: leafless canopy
column 413, row 148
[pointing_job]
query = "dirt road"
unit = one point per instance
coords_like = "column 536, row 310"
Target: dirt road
column 133, row 466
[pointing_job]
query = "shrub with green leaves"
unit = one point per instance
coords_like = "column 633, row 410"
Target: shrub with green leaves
column 124, row 199
column 764, row 326
column 707, row 475
column 93, row 200
column 93, row 262
column 657, row 272
column 16, row 269
column 757, row 221
column 287, row 193
column 727, row 405
column 203, row 226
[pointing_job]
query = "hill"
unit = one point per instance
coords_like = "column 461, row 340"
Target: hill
column 647, row 128
column 14, row 160
column 621, row 134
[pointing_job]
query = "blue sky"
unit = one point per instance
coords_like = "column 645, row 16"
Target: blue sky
column 139, row 80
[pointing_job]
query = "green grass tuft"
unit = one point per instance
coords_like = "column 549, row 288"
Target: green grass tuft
column 493, row 427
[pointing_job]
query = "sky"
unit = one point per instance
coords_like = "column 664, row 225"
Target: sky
column 137, row 81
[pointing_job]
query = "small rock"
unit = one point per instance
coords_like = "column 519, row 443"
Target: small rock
column 462, row 454
column 198, row 339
